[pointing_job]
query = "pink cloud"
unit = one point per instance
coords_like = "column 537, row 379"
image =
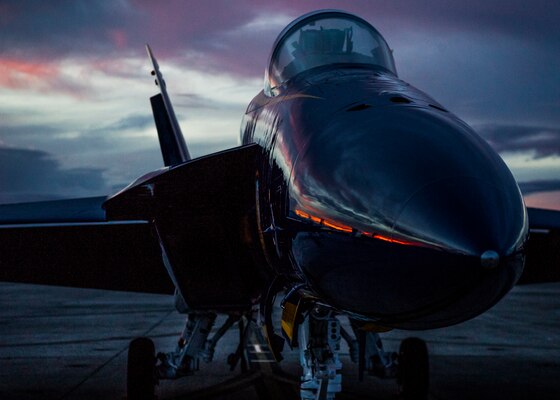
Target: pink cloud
column 40, row 76
column 548, row 200
column 19, row 74
column 119, row 38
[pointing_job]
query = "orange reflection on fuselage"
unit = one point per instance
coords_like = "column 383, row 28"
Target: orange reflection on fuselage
column 305, row 215
column 315, row 219
column 391, row 240
column 321, row 221
column 345, row 228
column 337, row 226
column 302, row 214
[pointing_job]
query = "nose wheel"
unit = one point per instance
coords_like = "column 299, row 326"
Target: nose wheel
column 413, row 376
column 141, row 378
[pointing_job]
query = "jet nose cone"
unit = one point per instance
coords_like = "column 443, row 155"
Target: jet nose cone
column 417, row 221
column 464, row 215
column 490, row 259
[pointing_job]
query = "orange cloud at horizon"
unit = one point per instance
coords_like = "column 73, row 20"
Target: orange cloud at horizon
column 20, row 74
column 548, row 200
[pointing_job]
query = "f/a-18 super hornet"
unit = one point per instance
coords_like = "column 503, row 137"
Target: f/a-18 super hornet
column 353, row 194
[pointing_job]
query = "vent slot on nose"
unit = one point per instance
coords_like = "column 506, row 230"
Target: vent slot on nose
column 438, row 107
column 400, row 99
column 359, row 107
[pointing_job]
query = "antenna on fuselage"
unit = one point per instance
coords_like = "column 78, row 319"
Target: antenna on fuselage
column 172, row 143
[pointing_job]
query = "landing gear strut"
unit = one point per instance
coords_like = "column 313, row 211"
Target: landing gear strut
column 186, row 357
column 319, row 345
column 145, row 369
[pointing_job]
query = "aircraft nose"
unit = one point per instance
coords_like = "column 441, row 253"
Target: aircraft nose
column 464, row 215
column 421, row 223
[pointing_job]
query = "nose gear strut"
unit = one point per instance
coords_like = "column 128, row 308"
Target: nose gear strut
column 319, row 344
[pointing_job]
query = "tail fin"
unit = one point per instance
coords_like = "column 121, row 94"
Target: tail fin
column 172, row 143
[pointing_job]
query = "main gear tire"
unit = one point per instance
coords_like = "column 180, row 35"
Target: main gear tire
column 141, row 376
column 413, row 374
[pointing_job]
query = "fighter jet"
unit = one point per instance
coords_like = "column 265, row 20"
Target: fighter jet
column 353, row 195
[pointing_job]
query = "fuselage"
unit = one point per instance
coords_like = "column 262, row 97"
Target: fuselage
column 355, row 190
column 383, row 203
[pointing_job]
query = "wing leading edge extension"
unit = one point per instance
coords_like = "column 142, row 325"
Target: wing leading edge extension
column 198, row 216
column 204, row 214
column 543, row 248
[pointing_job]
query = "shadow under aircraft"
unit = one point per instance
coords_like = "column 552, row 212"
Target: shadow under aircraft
column 353, row 195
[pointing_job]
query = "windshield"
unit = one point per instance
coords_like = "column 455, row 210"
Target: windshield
column 326, row 38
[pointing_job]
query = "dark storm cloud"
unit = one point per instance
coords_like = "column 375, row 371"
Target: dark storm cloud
column 134, row 121
column 30, row 174
column 60, row 27
column 535, row 21
column 539, row 186
column 486, row 60
column 193, row 100
column 211, row 31
column 538, row 141
column 80, row 27
column 26, row 130
column 65, row 139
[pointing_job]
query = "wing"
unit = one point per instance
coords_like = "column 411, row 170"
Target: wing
column 543, row 249
column 70, row 243
column 191, row 226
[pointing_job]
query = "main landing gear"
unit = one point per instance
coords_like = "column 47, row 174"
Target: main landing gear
column 141, row 378
column 319, row 335
column 413, row 374
column 145, row 369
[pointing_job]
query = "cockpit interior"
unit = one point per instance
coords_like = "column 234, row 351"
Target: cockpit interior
column 325, row 38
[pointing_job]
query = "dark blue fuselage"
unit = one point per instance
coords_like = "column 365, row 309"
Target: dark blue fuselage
column 384, row 203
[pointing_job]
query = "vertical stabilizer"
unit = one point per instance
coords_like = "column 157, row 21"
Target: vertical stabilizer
column 172, row 143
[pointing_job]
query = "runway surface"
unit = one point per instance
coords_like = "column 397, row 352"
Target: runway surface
column 64, row 343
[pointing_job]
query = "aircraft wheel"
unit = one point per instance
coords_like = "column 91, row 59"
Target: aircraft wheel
column 141, row 378
column 413, row 374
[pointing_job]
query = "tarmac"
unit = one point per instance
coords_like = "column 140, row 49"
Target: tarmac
column 67, row 343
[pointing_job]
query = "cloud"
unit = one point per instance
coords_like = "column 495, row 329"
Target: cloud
column 537, row 186
column 537, row 141
column 78, row 26
column 74, row 74
column 101, row 136
column 216, row 36
column 133, row 121
column 30, row 174
column 63, row 27
column 41, row 76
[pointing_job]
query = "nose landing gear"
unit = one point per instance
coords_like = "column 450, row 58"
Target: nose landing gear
column 319, row 345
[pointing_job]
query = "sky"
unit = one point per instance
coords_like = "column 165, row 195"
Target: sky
column 75, row 118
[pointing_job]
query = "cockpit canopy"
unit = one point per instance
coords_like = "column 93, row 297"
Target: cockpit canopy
column 323, row 38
